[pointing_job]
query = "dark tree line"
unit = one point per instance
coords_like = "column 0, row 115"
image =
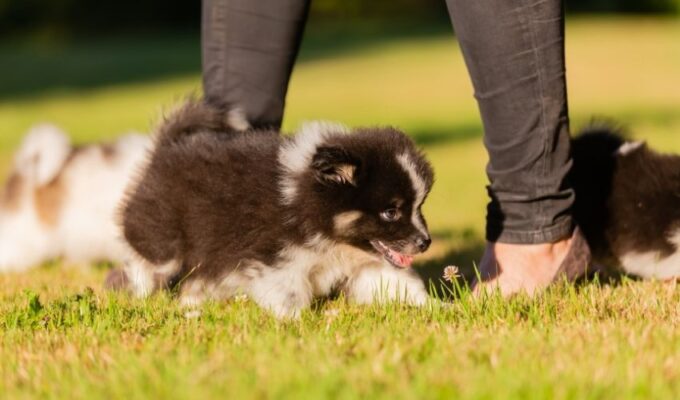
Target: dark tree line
column 94, row 17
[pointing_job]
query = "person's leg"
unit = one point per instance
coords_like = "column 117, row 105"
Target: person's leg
column 514, row 51
column 249, row 48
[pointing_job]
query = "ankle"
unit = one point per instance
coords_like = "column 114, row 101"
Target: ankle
column 542, row 252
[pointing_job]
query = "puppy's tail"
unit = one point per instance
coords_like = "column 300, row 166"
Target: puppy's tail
column 42, row 154
column 196, row 116
column 602, row 138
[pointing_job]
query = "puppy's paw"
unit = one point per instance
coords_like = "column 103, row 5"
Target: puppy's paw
column 192, row 314
column 385, row 284
column 285, row 305
column 283, row 292
column 417, row 296
column 286, row 312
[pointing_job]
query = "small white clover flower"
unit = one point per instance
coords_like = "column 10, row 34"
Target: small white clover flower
column 451, row 273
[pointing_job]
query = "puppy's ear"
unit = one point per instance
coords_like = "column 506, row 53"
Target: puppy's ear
column 334, row 165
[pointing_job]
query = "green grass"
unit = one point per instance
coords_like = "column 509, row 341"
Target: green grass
column 59, row 339
column 590, row 342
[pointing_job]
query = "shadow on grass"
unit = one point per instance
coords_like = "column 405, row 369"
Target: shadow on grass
column 662, row 117
column 464, row 254
column 32, row 69
column 452, row 134
column 337, row 39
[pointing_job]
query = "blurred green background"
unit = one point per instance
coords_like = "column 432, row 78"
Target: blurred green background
column 99, row 69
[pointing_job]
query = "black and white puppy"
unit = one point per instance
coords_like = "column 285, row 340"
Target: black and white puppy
column 627, row 203
column 281, row 219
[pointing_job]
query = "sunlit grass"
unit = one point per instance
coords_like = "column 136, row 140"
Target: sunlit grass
column 588, row 342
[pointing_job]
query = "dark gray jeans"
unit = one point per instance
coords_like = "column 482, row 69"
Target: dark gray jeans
column 514, row 51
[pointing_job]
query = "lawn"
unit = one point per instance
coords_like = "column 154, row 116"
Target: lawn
column 62, row 337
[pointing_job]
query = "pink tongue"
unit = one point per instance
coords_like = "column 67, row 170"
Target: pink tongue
column 403, row 259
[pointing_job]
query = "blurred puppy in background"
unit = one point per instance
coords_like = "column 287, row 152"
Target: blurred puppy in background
column 627, row 202
column 59, row 200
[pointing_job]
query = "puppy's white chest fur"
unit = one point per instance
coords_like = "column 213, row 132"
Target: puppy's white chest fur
column 319, row 268
column 329, row 265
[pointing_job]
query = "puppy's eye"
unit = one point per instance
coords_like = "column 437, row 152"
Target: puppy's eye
column 390, row 215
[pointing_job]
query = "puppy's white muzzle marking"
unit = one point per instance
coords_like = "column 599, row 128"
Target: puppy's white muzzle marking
column 419, row 188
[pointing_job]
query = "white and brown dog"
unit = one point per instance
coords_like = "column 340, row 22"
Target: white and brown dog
column 60, row 200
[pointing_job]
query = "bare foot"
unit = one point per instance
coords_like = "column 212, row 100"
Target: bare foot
column 514, row 268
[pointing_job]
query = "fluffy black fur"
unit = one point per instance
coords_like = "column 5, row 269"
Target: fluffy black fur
column 208, row 197
column 627, row 199
column 214, row 199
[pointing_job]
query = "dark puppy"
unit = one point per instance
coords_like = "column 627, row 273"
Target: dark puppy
column 281, row 219
column 627, row 199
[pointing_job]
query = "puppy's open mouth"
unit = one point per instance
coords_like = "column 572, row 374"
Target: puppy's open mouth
column 394, row 257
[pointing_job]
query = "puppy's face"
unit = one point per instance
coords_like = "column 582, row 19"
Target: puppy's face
column 373, row 185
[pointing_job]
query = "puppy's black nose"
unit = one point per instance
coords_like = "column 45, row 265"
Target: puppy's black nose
column 423, row 242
